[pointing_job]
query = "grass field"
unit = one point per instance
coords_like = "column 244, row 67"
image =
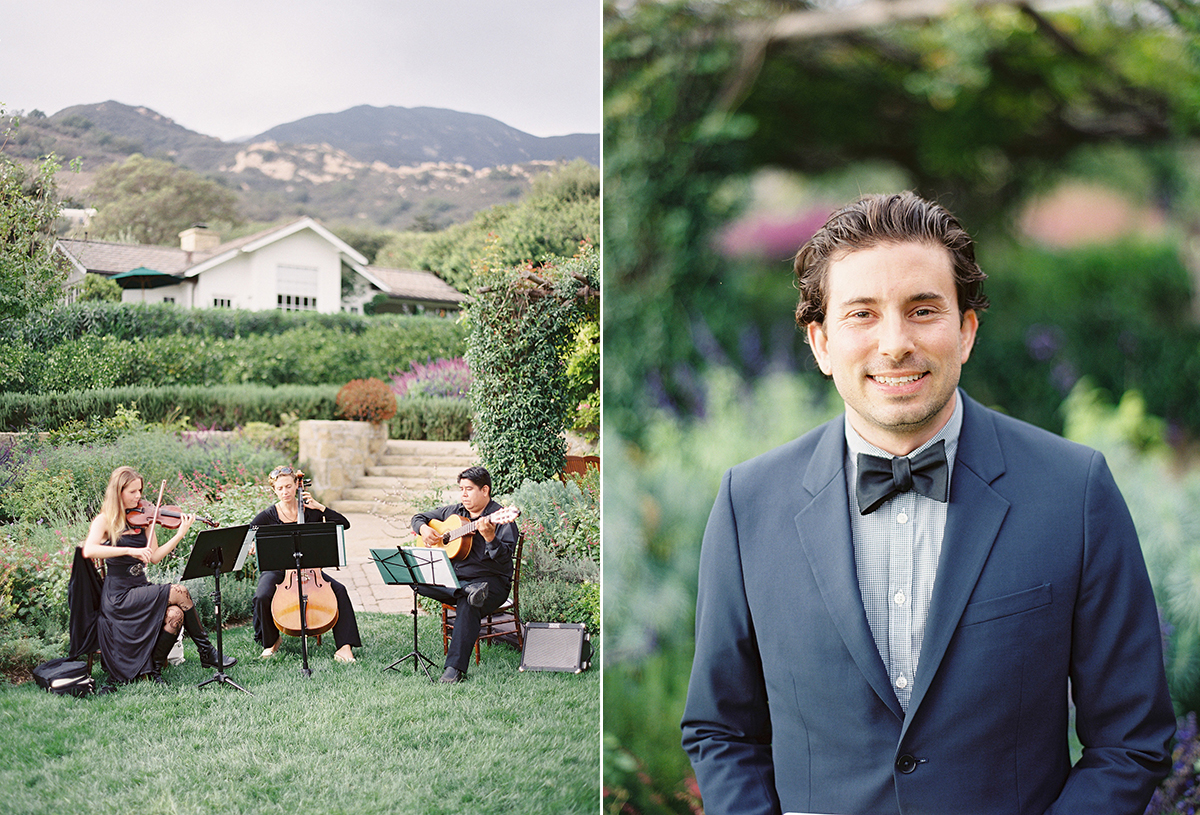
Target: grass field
column 349, row 739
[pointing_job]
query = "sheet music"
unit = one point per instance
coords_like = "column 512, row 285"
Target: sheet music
column 433, row 565
column 246, row 541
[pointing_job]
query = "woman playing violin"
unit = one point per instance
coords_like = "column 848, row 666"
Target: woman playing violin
column 285, row 481
column 139, row 620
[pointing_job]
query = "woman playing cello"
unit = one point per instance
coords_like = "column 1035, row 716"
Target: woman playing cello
column 285, row 481
column 139, row 620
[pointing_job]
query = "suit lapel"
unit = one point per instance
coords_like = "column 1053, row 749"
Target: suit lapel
column 824, row 529
column 973, row 521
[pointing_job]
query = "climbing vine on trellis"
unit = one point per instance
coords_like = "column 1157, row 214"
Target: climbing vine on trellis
column 524, row 320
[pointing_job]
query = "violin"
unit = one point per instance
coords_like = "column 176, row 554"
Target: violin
column 169, row 517
column 320, row 603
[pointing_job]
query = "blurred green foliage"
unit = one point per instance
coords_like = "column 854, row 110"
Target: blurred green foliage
column 30, row 274
column 560, row 211
column 523, row 324
column 149, row 200
column 1119, row 315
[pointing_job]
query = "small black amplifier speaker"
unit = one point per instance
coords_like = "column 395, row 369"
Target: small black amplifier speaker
column 556, row 647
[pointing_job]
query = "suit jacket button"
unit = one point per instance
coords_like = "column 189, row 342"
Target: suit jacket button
column 906, row 764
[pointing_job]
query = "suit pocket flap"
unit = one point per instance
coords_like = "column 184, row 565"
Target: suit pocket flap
column 1007, row 605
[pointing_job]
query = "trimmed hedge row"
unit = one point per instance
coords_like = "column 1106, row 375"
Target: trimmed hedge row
column 304, row 355
column 226, row 407
column 131, row 321
column 436, row 418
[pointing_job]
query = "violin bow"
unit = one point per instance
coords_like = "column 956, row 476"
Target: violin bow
column 157, row 505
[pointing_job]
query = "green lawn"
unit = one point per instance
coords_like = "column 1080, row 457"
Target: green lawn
column 348, row 739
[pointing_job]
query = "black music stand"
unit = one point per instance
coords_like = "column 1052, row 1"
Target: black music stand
column 215, row 551
column 415, row 566
column 299, row 546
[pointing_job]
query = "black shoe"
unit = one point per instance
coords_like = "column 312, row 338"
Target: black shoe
column 477, row 594
column 453, row 675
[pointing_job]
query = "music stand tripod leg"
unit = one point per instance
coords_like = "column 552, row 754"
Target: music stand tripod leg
column 220, row 675
column 415, row 653
column 307, row 671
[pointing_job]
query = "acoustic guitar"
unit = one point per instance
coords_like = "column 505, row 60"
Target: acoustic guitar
column 456, row 533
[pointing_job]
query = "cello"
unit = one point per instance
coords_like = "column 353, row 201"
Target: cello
column 308, row 586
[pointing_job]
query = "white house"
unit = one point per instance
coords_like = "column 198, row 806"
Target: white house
column 300, row 266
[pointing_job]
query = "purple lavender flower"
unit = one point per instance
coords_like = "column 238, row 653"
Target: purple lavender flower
column 442, row 377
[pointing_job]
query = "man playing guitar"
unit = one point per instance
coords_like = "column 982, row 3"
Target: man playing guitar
column 484, row 567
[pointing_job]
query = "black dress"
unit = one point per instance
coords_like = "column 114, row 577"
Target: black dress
column 132, row 610
column 345, row 630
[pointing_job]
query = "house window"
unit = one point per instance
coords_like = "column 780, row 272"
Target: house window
column 168, row 300
column 295, row 302
column 296, row 288
column 222, row 302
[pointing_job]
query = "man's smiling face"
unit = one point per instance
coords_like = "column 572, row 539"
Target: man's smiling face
column 893, row 341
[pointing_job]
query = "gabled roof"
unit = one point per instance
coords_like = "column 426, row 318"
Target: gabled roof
column 106, row 258
column 416, row 284
column 252, row 243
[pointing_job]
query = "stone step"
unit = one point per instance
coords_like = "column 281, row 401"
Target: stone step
column 407, row 447
column 421, row 482
column 455, row 463
column 446, row 472
column 409, row 472
column 345, row 506
column 395, row 495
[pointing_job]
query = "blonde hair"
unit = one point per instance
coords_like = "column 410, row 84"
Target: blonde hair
column 113, row 509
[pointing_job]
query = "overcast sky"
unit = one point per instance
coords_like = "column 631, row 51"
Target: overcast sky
column 234, row 68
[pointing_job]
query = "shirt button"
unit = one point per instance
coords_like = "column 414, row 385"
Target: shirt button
column 899, row 598
column 902, row 518
column 902, row 682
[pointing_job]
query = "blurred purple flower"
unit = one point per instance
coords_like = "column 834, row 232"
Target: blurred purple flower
column 1043, row 341
column 442, row 377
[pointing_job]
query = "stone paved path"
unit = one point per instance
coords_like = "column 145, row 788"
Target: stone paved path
column 361, row 576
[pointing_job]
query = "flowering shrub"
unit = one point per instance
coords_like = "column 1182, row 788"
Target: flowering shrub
column 442, row 377
column 565, row 516
column 33, row 600
column 366, row 400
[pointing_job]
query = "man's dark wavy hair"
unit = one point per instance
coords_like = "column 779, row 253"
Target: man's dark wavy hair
column 478, row 476
column 881, row 219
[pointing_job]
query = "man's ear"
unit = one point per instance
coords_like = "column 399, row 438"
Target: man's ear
column 967, row 331
column 819, row 342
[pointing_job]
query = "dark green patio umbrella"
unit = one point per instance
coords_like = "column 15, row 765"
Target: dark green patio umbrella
column 144, row 278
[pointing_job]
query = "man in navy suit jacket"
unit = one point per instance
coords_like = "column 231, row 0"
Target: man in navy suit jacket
column 897, row 610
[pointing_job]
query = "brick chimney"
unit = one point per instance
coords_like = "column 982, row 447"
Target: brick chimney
column 199, row 239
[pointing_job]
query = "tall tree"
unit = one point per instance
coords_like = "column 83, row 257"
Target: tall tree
column 147, row 200
column 30, row 277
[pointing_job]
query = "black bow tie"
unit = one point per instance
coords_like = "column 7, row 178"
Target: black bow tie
column 881, row 478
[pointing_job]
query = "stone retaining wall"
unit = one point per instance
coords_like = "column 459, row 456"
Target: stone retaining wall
column 335, row 454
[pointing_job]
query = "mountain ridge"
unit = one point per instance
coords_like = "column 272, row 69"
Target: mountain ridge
column 388, row 167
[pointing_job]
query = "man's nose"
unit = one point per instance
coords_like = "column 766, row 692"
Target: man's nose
column 895, row 337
